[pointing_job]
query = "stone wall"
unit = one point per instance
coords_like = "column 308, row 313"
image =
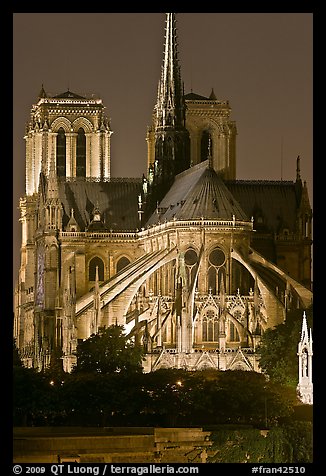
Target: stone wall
column 110, row 445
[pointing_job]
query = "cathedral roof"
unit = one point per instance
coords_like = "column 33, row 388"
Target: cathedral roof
column 197, row 97
column 116, row 200
column 68, row 94
column 193, row 97
column 196, row 193
column 275, row 202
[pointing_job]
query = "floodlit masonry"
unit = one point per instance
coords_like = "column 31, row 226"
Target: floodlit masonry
column 194, row 263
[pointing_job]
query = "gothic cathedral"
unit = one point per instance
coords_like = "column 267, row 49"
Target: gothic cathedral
column 194, row 263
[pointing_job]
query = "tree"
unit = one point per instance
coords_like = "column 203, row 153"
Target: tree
column 279, row 346
column 167, row 397
column 300, row 437
column 239, row 397
column 34, row 400
column 177, row 397
column 110, row 351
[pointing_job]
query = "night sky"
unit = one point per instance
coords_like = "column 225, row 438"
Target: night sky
column 260, row 62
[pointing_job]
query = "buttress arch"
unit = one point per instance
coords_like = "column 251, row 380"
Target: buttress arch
column 132, row 288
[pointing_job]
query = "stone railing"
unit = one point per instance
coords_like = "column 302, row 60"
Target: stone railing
column 202, row 223
column 127, row 235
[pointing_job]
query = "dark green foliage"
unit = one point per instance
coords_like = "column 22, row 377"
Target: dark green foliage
column 172, row 397
column 246, row 445
column 33, row 397
column 300, row 437
column 175, row 397
column 167, row 397
column 250, row 445
column 279, row 348
column 100, row 400
column 285, row 444
column 109, row 352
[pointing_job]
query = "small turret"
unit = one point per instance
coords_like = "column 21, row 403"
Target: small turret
column 72, row 224
column 97, row 224
column 42, row 93
column 305, row 385
column 212, row 96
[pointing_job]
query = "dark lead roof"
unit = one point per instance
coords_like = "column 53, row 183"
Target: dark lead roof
column 68, row 94
column 195, row 97
column 275, row 202
column 198, row 193
column 117, row 201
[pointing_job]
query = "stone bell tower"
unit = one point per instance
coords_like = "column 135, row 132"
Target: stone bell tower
column 72, row 128
column 305, row 385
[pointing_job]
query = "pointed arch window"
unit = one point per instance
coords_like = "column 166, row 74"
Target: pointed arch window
column 168, row 159
column 215, row 276
column 216, row 270
column 212, row 280
column 233, row 333
column 191, row 259
column 205, row 144
column 61, row 153
column 96, row 261
column 122, row 263
column 81, row 153
column 242, row 279
column 210, row 326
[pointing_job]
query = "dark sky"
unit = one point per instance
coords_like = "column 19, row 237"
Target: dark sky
column 260, row 62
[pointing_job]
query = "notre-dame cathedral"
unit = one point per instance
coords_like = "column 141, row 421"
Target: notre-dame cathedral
column 194, row 263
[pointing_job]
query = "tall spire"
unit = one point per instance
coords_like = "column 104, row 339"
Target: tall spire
column 304, row 329
column 170, row 111
column 298, row 168
column 52, row 180
column 169, row 134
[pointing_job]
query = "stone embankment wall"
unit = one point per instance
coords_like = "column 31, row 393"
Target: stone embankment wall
column 110, row 445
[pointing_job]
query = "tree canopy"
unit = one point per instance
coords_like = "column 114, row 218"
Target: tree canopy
column 279, row 347
column 110, row 351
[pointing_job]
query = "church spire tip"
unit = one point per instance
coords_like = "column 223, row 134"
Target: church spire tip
column 42, row 93
column 298, row 168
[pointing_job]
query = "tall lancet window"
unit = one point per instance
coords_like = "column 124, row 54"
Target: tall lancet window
column 61, row 153
column 81, row 153
column 205, row 145
column 191, row 259
column 210, row 326
column 96, row 262
column 216, row 270
column 122, row 263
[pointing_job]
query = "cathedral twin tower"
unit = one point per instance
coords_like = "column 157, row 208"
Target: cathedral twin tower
column 194, row 263
column 73, row 132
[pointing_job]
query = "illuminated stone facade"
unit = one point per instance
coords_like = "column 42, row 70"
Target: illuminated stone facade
column 305, row 353
column 195, row 264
